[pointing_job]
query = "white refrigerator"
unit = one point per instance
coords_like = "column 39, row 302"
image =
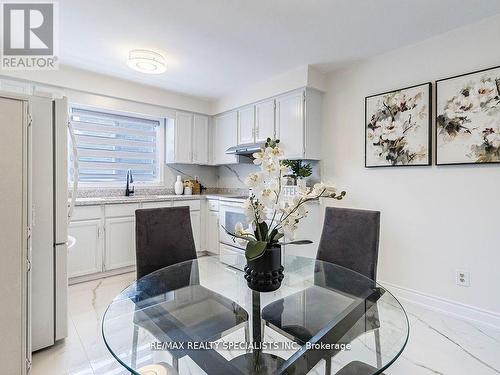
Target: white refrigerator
column 50, row 220
column 15, row 216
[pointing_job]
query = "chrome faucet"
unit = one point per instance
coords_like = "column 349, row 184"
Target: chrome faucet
column 130, row 180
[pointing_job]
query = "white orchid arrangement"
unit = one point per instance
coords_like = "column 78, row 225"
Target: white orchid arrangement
column 272, row 216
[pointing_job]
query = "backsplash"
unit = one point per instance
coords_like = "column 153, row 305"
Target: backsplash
column 207, row 174
column 234, row 175
column 224, row 179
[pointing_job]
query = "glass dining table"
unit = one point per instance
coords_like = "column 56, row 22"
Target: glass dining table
column 323, row 317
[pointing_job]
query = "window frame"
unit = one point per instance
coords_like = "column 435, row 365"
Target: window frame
column 160, row 150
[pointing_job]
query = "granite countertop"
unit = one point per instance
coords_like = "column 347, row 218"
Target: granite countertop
column 94, row 201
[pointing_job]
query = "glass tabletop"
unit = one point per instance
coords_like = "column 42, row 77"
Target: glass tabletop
column 200, row 317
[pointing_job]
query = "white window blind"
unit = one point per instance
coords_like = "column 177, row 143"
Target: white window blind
column 108, row 145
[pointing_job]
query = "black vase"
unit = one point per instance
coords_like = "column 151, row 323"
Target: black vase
column 265, row 273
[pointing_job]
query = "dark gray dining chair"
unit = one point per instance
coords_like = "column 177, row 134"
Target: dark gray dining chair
column 164, row 237
column 350, row 239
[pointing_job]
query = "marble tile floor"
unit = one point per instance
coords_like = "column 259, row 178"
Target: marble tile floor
column 439, row 344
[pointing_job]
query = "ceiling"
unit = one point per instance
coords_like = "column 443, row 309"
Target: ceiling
column 216, row 46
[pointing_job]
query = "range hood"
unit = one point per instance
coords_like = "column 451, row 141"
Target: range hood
column 245, row 150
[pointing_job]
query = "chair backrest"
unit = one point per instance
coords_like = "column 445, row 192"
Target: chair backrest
column 163, row 236
column 350, row 239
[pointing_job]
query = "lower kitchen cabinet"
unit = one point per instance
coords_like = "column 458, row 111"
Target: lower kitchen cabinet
column 120, row 243
column 85, row 257
column 213, row 232
column 105, row 237
column 196, row 225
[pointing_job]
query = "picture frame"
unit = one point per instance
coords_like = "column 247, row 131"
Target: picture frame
column 467, row 130
column 398, row 127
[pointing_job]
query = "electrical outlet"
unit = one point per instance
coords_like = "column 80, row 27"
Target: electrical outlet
column 462, row 277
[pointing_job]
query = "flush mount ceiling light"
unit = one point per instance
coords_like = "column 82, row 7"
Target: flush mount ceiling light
column 146, row 61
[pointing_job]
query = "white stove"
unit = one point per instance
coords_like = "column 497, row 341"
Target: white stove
column 231, row 212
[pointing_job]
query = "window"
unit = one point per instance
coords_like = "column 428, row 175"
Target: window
column 108, row 145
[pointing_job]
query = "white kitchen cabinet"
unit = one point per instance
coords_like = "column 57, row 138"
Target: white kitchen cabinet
column 290, row 124
column 120, row 242
column 186, row 139
column 264, row 120
column 212, row 226
column 200, row 139
column 225, row 136
column 157, row 204
column 298, row 124
column 246, row 125
column 178, row 139
column 105, row 237
column 85, row 257
column 196, row 225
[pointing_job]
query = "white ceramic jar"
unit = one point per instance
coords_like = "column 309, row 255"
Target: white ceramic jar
column 179, row 186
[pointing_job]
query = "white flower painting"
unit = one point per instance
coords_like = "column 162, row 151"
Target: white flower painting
column 468, row 118
column 397, row 127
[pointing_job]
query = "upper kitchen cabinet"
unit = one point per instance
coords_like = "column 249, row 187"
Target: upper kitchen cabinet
column 246, row 125
column 256, row 122
column 298, row 124
column 225, row 136
column 178, row 143
column 186, row 139
column 264, row 120
column 200, row 139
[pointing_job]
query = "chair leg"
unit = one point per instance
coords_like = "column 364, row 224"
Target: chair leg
column 135, row 339
column 175, row 363
column 378, row 348
column 247, row 334
column 328, row 365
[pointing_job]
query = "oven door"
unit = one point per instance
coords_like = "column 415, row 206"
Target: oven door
column 230, row 213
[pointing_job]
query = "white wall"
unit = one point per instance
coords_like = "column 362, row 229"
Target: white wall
column 434, row 219
column 86, row 81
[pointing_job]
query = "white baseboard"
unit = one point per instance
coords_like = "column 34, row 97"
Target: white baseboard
column 100, row 275
column 445, row 306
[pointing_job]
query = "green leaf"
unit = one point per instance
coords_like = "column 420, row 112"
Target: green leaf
column 277, row 236
column 263, row 230
column 299, row 242
column 255, row 249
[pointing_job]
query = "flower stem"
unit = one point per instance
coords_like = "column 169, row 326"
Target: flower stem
column 274, row 214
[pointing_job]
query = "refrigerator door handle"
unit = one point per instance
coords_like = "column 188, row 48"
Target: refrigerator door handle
column 71, row 205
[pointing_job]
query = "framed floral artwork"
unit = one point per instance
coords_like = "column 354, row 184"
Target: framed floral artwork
column 398, row 127
column 468, row 118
